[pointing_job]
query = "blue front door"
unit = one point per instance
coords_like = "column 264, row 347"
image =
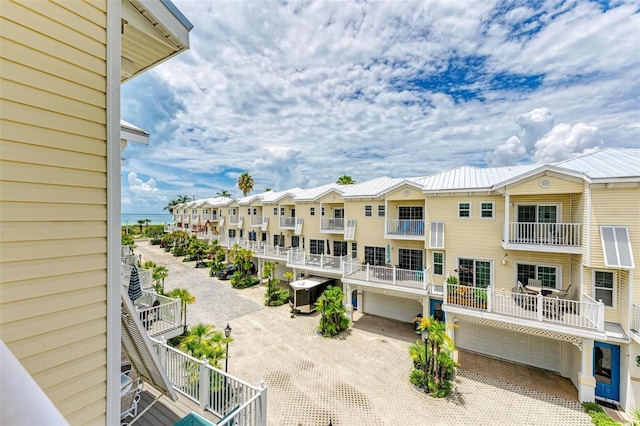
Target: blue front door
column 606, row 370
column 435, row 310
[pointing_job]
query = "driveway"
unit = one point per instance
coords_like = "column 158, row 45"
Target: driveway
column 358, row 378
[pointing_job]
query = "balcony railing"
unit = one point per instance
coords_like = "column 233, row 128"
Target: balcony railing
column 262, row 250
column 287, row 222
column 233, row 400
column 233, row 219
column 332, row 224
column 405, row 227
column 256, row 220
column 548, row 234
column 145, row 276
column 299, row 257
column 394, row 276
column 162, row 318
column 586, row 313
column 213, row 217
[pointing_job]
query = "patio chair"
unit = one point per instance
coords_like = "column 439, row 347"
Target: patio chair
column 521, row 297
column 150, row 316
column 533, row 282
column 129, row 401
column 565, row 294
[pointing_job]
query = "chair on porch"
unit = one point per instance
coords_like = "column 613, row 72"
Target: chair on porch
column 521, row 297
column 129, row 401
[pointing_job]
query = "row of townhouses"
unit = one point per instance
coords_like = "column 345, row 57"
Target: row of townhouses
column 532, row 263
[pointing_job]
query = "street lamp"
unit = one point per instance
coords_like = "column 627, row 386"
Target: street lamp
column 227, row 334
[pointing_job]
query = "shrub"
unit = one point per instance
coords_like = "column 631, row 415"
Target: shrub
column 333, row 319
column 274, row 296
column 598, row 416
column 417, row 378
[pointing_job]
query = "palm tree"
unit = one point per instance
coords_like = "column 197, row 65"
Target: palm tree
column 158, row 275
column 180, row 200
column 268, row 189
column 223, row 193
column 345, row 180
column 186, row 298
column 245, row 183
column 141, row 223
column 205, row 340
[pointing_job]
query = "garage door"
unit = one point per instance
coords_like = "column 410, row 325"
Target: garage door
column 397, row 308
column 510, row 345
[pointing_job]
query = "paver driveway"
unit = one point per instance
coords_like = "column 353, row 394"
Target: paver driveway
column 359, row 378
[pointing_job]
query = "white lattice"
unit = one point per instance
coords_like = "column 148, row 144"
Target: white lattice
column 520, row 328
column 395, row 293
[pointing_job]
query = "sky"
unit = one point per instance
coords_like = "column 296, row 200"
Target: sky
column 300, row 93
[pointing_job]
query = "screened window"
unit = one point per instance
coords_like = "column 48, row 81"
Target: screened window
column 464, row 210
column 232, row 233
column 316, row 246
column 381, row 210
column 547, row 274
column 354, row 250
column 410, row 259
column 410, row 212
column 275, row 211
column 603, row 282
column 374, row 255
column 368, row 211
column 312, row 211
column 438, row 263
column 486, row 210
column 476, row 273
column 339, row 248
column 295, row 241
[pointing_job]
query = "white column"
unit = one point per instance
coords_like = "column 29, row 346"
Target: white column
column 426, row 304
column 204, row 383
column 507, row 208
column 586, row 381
column 349, row 305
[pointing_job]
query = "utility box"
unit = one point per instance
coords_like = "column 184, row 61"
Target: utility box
column 304, row 292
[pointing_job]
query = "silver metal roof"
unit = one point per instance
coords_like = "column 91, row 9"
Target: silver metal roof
column 312, row 194
column 370, row 188
column 273, row 197
column 471, row 178
column 607, row 163
column 217, row 201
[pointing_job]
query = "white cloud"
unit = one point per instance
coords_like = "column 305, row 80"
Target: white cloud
column 565, row 141
column 141, row 190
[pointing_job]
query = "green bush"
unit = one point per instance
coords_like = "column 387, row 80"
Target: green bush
column 332, row 319
column 598, row 416
column 439, row 390
column 240, row 281
column 592, row 407
column 417, row 378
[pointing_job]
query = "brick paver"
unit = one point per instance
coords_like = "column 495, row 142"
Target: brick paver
column 358, row 378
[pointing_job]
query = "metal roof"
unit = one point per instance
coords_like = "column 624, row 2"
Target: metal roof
column 471, row 178
column 273, row 197
column 312, row 194
column 371, row 188
column 607, row 163
column 217, row 201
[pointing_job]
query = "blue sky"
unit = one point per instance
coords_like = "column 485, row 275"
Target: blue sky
column 299, row 93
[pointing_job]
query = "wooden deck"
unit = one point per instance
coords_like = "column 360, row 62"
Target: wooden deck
column 165, row 411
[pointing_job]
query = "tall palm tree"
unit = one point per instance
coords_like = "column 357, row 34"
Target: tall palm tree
column 245, row 183
column 180, row 200
column 223, row 193
column 186, row 298
column 268, row 189
column 345, row 180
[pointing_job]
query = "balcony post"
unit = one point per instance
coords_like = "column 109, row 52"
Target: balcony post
column 321, row 260
column 162, row 352
column 539, row 306
column 446, row 291
column 424, row 279
column 204, row 383
column 489, row 298
column 394, row 274
column 368, row 272
column 261, row 414
column 600, row 315
column 505, row 230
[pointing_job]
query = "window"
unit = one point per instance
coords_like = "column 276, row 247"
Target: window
column 249, row 211
column 547, row 274
column 486, row 210
column 464, row 210
column 381, row 210
column 205, row 211
column 476, row 273
column 232, row 233
column 295, row 241
column 278, row 240
column 322, row 213
column 604, row 289
column 339, row 248
column 312, row 211
column 410, row 259
column 368, row 212
column 410, row 213
column 436, row 237
column 264, row 236
column 255, row 211
column 194, row 211
column 438, row 263
column 281, row 211
column 240, row 233
column 354, row 250
column 316, row 246
column 374, row 255
column 275, row 211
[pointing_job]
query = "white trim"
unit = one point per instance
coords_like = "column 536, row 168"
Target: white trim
column 558, row 207
column 614, row 283
column 433, row 263
column 470, row 210
column 545, row 265
column 365, row 210
column 493, row 210
column 114, row 8
column 384, row 206
column 476, row 259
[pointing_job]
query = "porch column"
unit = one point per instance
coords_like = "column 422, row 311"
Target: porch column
column 426, row 306
column 349, row 305
column 507, row 208
column 586, row 381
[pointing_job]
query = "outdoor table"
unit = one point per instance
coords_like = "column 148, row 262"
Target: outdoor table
column 539, row 290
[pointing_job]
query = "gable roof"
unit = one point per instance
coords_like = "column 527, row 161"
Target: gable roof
column 473, row 178
column 370, row 188
column 313, row 194
column 608, row 163
column 274, row 197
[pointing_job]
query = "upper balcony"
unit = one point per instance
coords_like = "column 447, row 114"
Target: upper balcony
column 211, row 217
column 287, row 222
column 318, row 263
column 233, row 219
column 390, row 277
column 256, row 220
column 405, row 229
column 583, row 317
column 545, row 237
column 332, row 225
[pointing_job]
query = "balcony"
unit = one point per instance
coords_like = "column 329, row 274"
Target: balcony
column 287, row 222
column 213, row 217
column 320, row 263
column 232, row 400
column 233, row 219
column 386, row 276
column 333, row 225
column 256, row 220
column 547, row 237
column 520, row 308
column 160, row 315
column 405, row 229
column 264, row 251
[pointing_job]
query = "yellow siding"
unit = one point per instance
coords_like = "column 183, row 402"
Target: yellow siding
column 369, row 230
column 331, row 198
column 53, row 199
column 532, row 187
column 564, row 200
column 412, row 195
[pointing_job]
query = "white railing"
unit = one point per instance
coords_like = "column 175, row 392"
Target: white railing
column 256, row 220
column 233, row 400
column 332, row 224
column 548, row 234
column 213, row 216
column 287, row 222
column 584, row 314
column 353, row 269
column 436, row 289
column 635, row 319
column 233, row 219
column 159, row 314
column 129, row 259
column 413, row 227
column 170, row 228
column 145, row 276
column 262, row 250
column 298, row 257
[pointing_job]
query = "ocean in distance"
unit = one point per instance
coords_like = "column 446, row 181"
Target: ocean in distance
column 156, row 219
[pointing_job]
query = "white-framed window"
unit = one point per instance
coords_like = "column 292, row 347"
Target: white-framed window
column 604, row 288
column 232, row 233
column 249, row 211
column 438, row 263
column 487, row 209
column 312, row 211
column 549, row 275
column 464, row 210
column 339, row 248
column 475, row 272
column 354, row 250
column 194, row 211
column 275, row 211
column 281, row 211
column 381, row 210
column 205, row 211
column 255, row 211
column 436, row 235
column 295, row 241
column 316, row 246
column 368, row 211
column 322, row 212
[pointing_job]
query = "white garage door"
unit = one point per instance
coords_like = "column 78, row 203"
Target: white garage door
column 397, row 308
column 510, row 345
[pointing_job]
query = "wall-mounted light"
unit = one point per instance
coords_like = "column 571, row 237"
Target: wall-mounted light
column 505, row 258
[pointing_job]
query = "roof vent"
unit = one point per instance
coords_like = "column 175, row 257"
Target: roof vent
column 545, row 183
